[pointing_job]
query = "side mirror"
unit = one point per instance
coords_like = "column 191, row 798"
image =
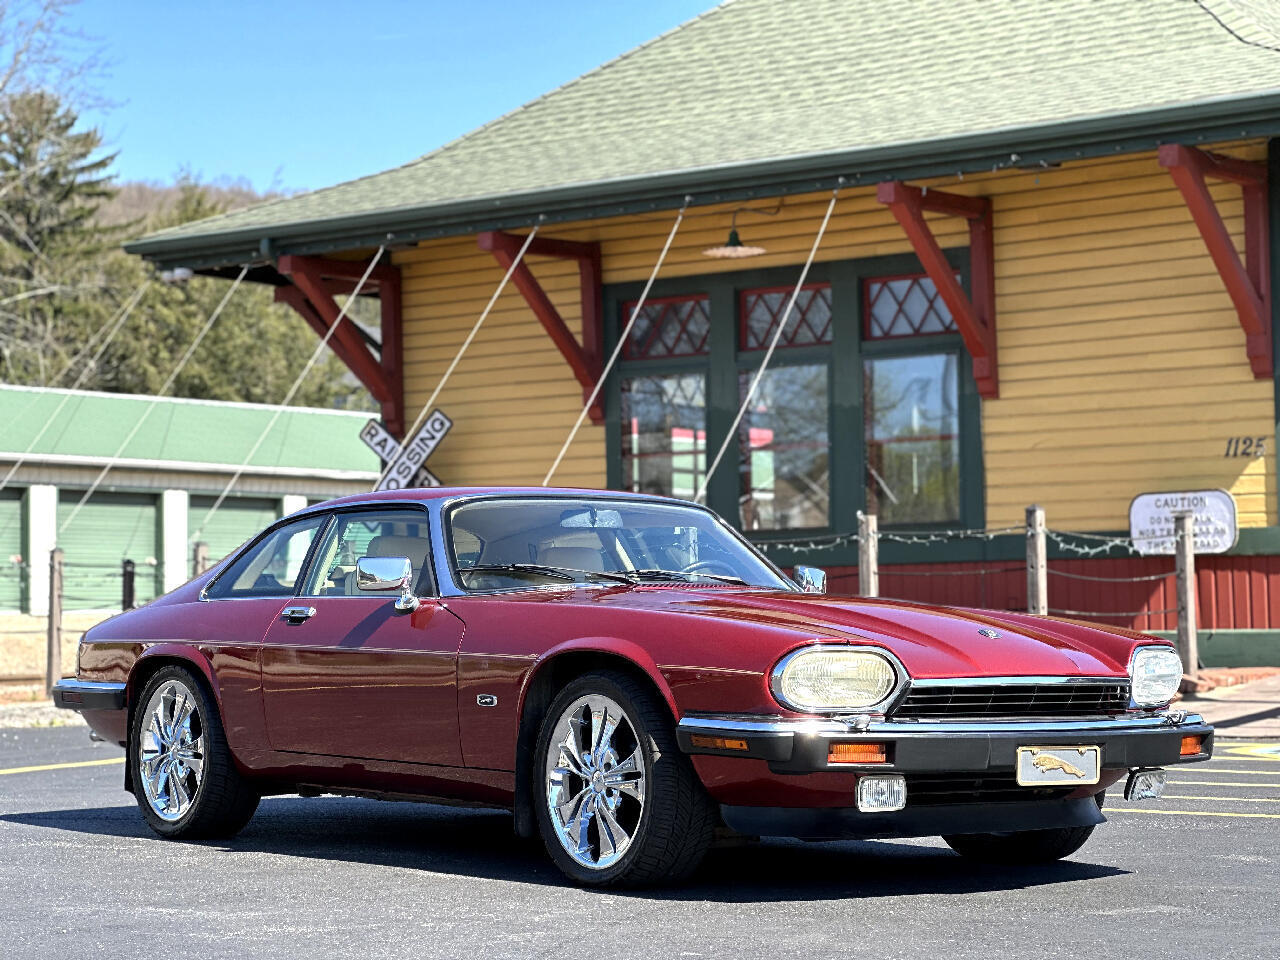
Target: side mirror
column 384, row 574
column 811, row 579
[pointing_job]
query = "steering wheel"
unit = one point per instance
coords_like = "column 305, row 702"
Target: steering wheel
column 710, row 566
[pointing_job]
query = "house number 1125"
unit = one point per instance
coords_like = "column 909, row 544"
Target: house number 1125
column 1246, row 447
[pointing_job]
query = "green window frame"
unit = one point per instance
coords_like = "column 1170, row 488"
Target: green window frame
column 724, row 361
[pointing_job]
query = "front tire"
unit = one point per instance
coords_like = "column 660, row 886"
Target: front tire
column 185, row 780
column 1024, row 848
column 617, row 802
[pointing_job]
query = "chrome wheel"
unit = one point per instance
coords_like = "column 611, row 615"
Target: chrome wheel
column 595, row 781
column 171, row 750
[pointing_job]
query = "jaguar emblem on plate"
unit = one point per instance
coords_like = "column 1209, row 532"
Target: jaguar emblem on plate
column 1040, row 766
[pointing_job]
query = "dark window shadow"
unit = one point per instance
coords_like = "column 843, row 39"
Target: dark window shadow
column 479, row 843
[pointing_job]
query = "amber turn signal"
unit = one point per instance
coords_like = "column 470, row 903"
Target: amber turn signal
column 1192, row 746
column 717, row 743
column 857, row 753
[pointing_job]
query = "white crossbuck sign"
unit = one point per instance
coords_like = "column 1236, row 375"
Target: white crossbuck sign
column 408, row 463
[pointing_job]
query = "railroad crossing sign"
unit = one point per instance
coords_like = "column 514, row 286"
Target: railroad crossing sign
column 408, row 464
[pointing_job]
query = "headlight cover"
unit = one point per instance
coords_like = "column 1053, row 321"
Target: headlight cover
column 1154, row 675
column 831, row 678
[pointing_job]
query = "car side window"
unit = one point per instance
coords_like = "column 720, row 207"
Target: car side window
column 271, row 567
column 356, row 535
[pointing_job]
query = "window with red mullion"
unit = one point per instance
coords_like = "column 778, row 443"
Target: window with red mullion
column 664, row 330
column 918, row 311
column 809, row 324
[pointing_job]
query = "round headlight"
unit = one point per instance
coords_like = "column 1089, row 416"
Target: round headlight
column 1155, row 673
column 829, row 678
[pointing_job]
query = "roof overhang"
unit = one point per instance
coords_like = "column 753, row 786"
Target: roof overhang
column 1203, row 122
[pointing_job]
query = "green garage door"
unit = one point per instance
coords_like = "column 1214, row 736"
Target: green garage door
column 235, row 521
column 110, row 528
column 11, row 578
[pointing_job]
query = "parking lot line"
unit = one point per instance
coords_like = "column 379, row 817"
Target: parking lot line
column 1252, row 773
column 1178, row 796
column 1224, row 783
column 1193, row 813
column 62, row 766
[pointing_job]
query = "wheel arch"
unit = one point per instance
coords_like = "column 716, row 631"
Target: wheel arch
column 548, row 676
column 150, row 662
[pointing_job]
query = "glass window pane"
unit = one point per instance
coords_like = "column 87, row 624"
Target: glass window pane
column 664, row 434
column 808, row 324
column 906, row 307
column 912, row 433
column 668, row 327
column 401, row 533
column 783, row 449
column 271, row 568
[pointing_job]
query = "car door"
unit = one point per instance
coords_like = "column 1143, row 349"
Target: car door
column 344, row 674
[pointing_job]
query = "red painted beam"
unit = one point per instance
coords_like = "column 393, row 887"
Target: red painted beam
column 341, row 269
column 310, row 299
column 392, row 353
column 975, row 318
column 1247, row 283
column 585, row 360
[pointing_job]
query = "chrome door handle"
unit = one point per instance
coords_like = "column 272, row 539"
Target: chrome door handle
column 298, row 614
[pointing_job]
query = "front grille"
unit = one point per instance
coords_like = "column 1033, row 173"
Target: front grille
column 931, row 791
column 954, row 701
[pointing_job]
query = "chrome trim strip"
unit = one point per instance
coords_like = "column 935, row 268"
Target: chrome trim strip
column 71, row 685
column 1002, row 681
column 782, row 727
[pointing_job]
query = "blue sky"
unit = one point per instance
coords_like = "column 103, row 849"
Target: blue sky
column 305, row 94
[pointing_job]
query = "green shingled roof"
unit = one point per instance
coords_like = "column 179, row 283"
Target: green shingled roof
column 93, row 425
column 754, row 85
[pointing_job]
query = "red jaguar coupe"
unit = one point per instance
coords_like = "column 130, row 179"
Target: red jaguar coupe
column 625, row 673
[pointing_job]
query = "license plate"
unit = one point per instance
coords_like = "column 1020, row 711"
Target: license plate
column 1040, row 766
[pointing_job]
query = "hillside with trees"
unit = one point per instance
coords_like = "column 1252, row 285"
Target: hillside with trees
column 65, row 282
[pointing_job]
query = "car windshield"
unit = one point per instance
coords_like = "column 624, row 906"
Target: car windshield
column 500, row 544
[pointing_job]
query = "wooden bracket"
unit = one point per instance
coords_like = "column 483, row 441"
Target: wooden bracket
column 1248, row 283
column 975, row 318
column 314, row 283
column 586, row 360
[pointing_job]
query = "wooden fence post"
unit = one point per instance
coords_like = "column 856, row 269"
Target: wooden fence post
column 868, row 555
column 53, row 648
column 1037, row 563
column 1185, row 553
column 199, row 558
column 128, row 596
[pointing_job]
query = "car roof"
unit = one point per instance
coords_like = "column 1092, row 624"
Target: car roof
column 444, row 493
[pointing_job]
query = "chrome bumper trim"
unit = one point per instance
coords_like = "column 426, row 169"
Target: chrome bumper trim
column 785, row 727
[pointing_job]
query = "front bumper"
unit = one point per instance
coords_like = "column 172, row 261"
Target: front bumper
column 799, row 746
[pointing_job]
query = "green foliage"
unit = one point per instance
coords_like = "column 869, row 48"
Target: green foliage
column 64, row 278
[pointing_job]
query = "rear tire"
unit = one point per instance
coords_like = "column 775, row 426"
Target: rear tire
column 184, row 778
column 616, row 801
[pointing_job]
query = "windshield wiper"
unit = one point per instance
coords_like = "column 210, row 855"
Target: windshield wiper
column 657, row 574
column 539, row 569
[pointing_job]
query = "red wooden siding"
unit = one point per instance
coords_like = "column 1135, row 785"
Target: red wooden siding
column 1235, row 593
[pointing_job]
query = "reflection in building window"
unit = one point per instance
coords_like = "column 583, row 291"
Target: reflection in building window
column 664, row 433
column 668, row 327
column 912, row 428
column 783, row 446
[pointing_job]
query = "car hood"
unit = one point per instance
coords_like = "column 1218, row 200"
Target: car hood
column 931, row 641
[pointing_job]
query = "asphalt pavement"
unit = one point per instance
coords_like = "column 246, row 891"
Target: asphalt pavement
column 1193, row 875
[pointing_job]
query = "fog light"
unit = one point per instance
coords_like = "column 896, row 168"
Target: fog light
column 882, row 794
column 1192, row 746
column 857, row 753
column 1145, row 785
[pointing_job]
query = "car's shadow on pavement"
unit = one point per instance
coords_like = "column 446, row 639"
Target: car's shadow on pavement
column 480, row 844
